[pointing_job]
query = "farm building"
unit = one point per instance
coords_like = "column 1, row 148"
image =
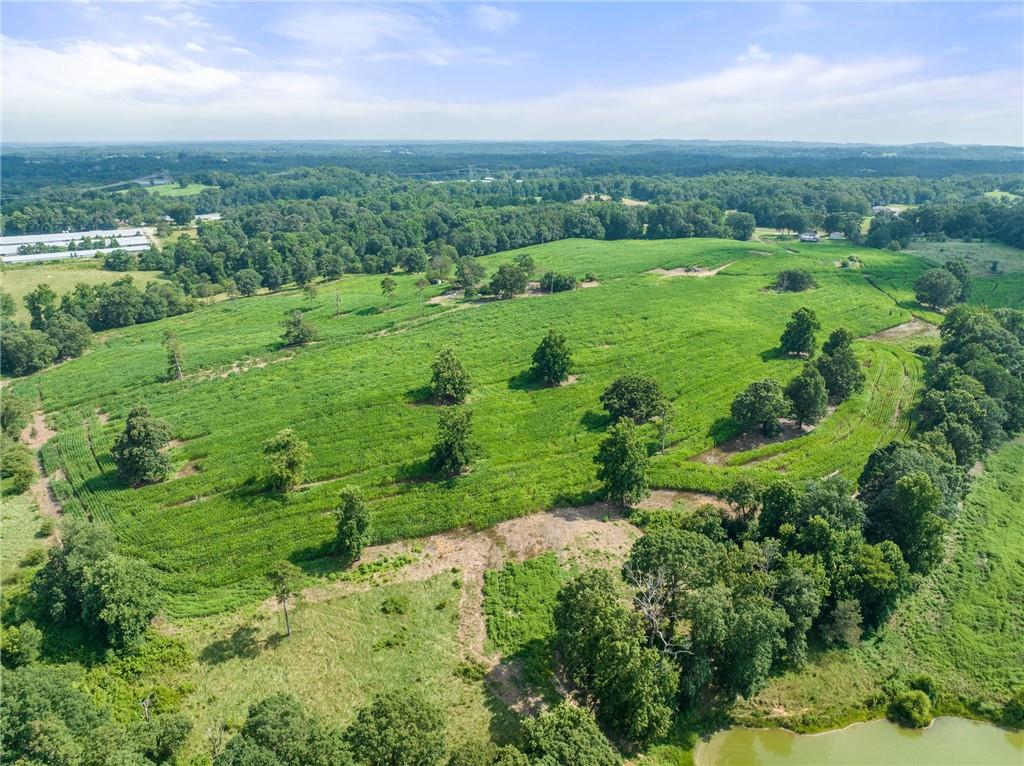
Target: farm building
column 884, row 210
column 809, row 236
column 28, row 248
column 836, row 235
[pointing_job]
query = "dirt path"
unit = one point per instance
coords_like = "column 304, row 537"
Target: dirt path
column 35, row 435
column 573, row 534
column 915, row 328
column 689, row 271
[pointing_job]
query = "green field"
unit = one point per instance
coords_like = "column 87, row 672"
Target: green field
column 62, row 277
column 356, row 397
column 962, row 626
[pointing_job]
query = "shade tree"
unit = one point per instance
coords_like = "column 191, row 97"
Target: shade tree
column 799, row 335
column 759, row 406
column 285, row 456
column 622, row 464
column 552, row 360
column 450, row 382
column 138, row 451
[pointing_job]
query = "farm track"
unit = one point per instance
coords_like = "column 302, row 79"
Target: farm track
column 35, row 436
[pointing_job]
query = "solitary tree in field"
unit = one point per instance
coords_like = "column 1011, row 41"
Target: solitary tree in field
column 552, row 360
column 633, row 397
column 138, row 450
column 798, row 337
column 286, row 580
column 760, row 405
column 622, row 464
column 353, row 525
column 175, row 357
column 297, row 331
column 808, row 395
column 449, row 380
column 509, row 281
column 387, row 286
column 937, row 288
column 454, row 449
column 286, row 456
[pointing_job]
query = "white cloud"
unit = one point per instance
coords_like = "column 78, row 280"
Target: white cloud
column 754, row 53
column 371, row 33
column 159, row 21
column 195, row 47
column 90, row 91
column 493, row 19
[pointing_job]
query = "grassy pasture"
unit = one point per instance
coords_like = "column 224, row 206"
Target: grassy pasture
column 1006, row 288
column 173, row 190
column 62, row 276
column 962, row 625
column 343, row 650
column 357, row 397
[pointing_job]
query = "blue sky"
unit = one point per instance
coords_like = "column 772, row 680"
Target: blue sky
column 874, row 72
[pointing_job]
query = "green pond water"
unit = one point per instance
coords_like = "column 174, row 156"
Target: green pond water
column 947, row 742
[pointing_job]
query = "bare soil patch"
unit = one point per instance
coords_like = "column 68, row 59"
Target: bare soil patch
column 689, row 271
column 191, row 468
column 721, row 453
column 37, row 432
column 915, row 328
column 449, row 297
column 569, row 381
column 573, row 534
column 666, row 499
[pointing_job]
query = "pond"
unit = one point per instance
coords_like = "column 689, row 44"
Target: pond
column 947, row 742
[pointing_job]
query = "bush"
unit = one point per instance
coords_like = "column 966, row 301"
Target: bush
column 396, row 603
column 912, row 709
column 1013, row 711
column 925, row 683
column 557, row 283
column 568, row 736
column 794, row 281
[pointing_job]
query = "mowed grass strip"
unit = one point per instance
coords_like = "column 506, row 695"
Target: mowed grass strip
column 356, row 397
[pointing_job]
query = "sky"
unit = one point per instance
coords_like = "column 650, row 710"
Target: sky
column 887, row 73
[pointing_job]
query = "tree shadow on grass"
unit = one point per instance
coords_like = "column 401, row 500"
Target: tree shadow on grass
column 525, row 381
column 595, row 421
column 420, row 396
column 367, row 311
column 772, row 354
column 242, row 644
column 415, row 472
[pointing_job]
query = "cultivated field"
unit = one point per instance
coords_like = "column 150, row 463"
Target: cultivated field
column 1005, row 288
column 173, row 190
column 357, row 396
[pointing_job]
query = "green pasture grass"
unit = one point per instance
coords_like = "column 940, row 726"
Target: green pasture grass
column 19, row 534
column 996, row 290
column 357, row 396
column 173, row 190
column 343, row 650
column 962, row 626
column 61, row 276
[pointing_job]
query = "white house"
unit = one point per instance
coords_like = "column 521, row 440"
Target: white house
column 809, row 236
column 836, row 235
column 884, row 210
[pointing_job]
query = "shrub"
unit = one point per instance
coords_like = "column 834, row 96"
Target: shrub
column 794, row 281
column 121, row 260
column 286, row 456
column 558, row 283
column 567, row 735
column 297, row 331
column 912, row 709
column 396, row 603
column 925, row 683
column 1013, row 711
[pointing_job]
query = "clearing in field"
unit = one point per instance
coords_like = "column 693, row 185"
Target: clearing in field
column 212, row 533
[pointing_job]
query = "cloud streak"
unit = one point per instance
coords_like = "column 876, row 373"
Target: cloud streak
column 92, row 91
